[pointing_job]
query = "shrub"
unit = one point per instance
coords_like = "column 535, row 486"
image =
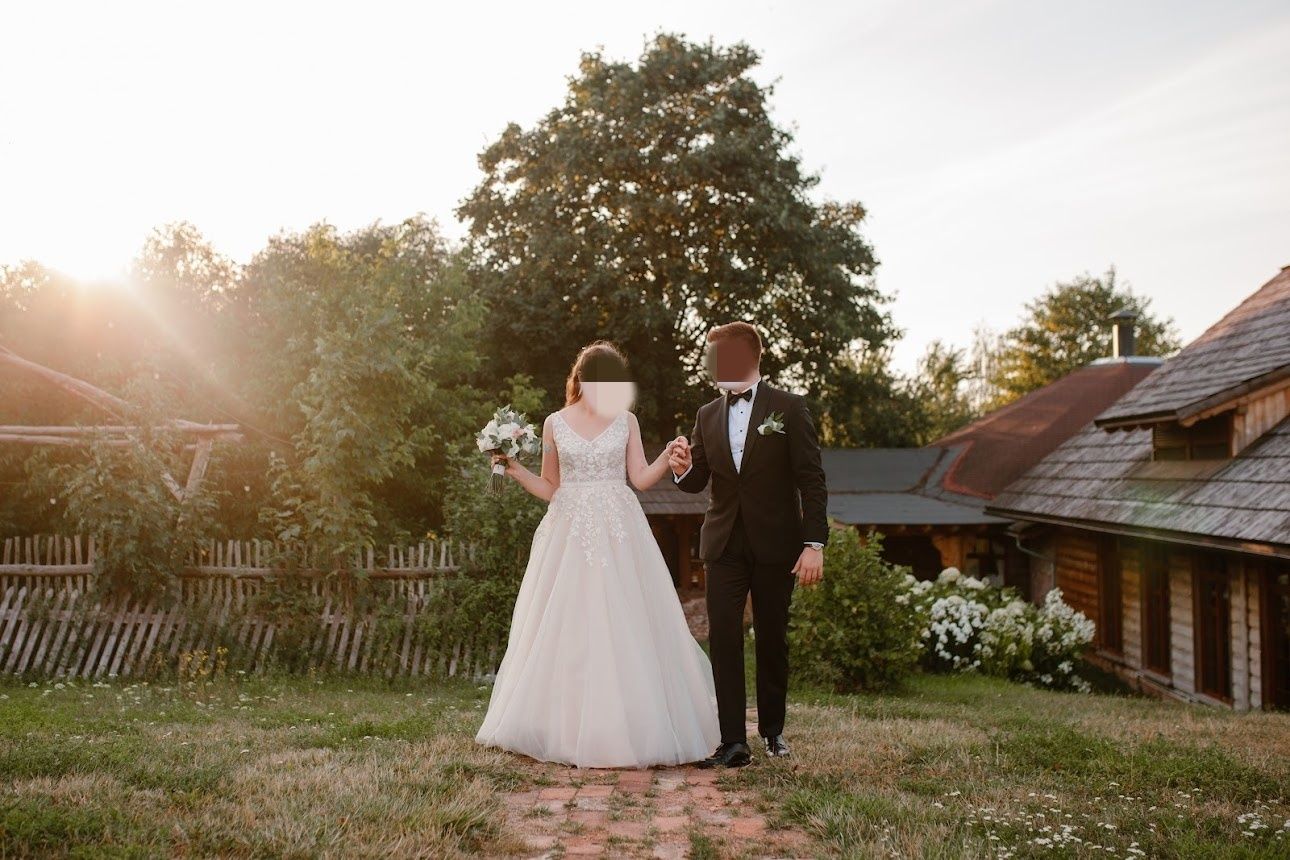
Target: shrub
column 118, row 494
column 969, row 626
column 848, row 632
column 476, row 602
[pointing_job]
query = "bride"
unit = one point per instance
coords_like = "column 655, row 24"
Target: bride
column 600, row 668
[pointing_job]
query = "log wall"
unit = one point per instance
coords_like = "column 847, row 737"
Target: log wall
column 1075, row 564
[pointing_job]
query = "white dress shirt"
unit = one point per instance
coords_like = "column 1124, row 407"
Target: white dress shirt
column 740, row 414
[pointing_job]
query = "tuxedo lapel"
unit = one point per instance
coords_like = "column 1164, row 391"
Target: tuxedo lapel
column 760, row 408
column 723, row 432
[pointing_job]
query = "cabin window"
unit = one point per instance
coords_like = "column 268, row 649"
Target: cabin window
column 1109, row 603
column 1213, row 619
column 1274, row 589
column 1156, row 653
column 1210, row 439
column 986, row 560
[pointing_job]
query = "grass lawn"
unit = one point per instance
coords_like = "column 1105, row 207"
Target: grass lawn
column 948, row 767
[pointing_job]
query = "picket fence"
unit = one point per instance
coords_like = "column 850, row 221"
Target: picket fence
column 48, row 627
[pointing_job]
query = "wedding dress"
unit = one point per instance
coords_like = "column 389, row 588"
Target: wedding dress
column 600, row 668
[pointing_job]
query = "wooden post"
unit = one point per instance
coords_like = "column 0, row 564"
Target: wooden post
column 683, row 533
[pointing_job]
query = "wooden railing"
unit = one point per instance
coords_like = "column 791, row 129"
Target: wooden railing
column 51, row 625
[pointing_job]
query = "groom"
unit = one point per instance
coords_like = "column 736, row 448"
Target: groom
column 764, row 530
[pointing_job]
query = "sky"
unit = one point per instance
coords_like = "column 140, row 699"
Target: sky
column 998, row 147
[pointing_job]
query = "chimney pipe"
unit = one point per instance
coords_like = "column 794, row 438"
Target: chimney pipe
column 1122, row 339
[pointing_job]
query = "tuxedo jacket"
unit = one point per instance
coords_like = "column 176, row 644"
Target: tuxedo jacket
column 779, row 489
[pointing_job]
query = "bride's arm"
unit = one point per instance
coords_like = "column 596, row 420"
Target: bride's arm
column 543, row 486
column 642, row 473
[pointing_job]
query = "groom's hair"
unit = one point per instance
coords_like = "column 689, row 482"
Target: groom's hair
column 738, row 331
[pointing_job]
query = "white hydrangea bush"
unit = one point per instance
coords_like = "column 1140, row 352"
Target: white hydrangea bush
column 969, row 625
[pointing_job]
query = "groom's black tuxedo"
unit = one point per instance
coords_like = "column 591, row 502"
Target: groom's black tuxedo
column 776, row 470
column 758, row 518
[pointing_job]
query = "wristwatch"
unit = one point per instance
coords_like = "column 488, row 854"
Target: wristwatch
column 815, row 544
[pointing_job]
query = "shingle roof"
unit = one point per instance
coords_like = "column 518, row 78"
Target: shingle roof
column 1246, row 349
column 860, row 470
column 888, row 509
column 867, row 486
column 666, row 497
column 896, row 486
column 1107, row 478
column 1000, row 446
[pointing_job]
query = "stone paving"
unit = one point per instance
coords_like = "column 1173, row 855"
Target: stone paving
column 661, row 812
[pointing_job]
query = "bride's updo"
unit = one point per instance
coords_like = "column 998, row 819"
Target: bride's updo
column 601, row 354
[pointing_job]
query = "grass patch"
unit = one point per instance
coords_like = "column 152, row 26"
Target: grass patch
column 945, row 767
column 250, row 767
column 969, row 766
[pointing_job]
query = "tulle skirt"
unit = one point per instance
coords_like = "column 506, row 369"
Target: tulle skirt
column 600, row 668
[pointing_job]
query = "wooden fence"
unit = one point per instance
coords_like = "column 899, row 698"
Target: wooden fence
column 49, row 627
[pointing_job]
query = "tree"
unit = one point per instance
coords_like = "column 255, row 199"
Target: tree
column 939, row 391
column 658, row 200
column 1068, row 327
column 863, row 404
column 359, row 349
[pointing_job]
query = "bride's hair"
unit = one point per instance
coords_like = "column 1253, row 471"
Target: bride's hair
column 573, row 385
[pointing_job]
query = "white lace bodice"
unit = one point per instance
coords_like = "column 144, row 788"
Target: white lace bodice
column 603, row 458
column 593, row 491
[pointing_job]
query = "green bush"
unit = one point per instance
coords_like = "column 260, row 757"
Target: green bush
column 476, row 601
column 848, row 632
column 117, row 494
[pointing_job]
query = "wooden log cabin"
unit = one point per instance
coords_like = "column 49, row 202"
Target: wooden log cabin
column 1167, row 518
column 930, row 503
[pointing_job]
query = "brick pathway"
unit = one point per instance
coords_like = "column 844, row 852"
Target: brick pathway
column 663, row 812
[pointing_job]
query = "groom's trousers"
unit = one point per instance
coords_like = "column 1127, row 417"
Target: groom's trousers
column 729, row 580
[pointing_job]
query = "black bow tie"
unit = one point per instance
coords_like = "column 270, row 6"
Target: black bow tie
column 731, row 397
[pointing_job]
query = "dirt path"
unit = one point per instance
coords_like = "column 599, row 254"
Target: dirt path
column 665, row 812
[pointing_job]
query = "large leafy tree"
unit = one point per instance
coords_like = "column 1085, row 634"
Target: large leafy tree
column 1066, row 328
column 359, row 349
column 659, row 200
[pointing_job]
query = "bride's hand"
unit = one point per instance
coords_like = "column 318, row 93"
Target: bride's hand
column 512, row 466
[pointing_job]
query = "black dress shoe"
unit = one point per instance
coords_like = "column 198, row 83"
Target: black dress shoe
column 775, row 745
column 734, row 754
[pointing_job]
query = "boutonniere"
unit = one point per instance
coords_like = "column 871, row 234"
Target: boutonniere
column 774, row 423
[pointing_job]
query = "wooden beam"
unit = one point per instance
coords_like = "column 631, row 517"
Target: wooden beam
column 198, row 470
column 683, row 570
column 30, row 439
column 109, row 403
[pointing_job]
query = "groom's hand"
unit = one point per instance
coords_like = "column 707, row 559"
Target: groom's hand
column 810, row 566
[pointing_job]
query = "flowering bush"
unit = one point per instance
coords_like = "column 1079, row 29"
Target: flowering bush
column 954, row 609
column 969, row 626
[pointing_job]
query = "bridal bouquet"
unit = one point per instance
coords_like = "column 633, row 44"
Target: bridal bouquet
column 508, row 434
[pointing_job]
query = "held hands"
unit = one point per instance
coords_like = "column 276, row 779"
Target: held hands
column 678, row 457
column 810, row 566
